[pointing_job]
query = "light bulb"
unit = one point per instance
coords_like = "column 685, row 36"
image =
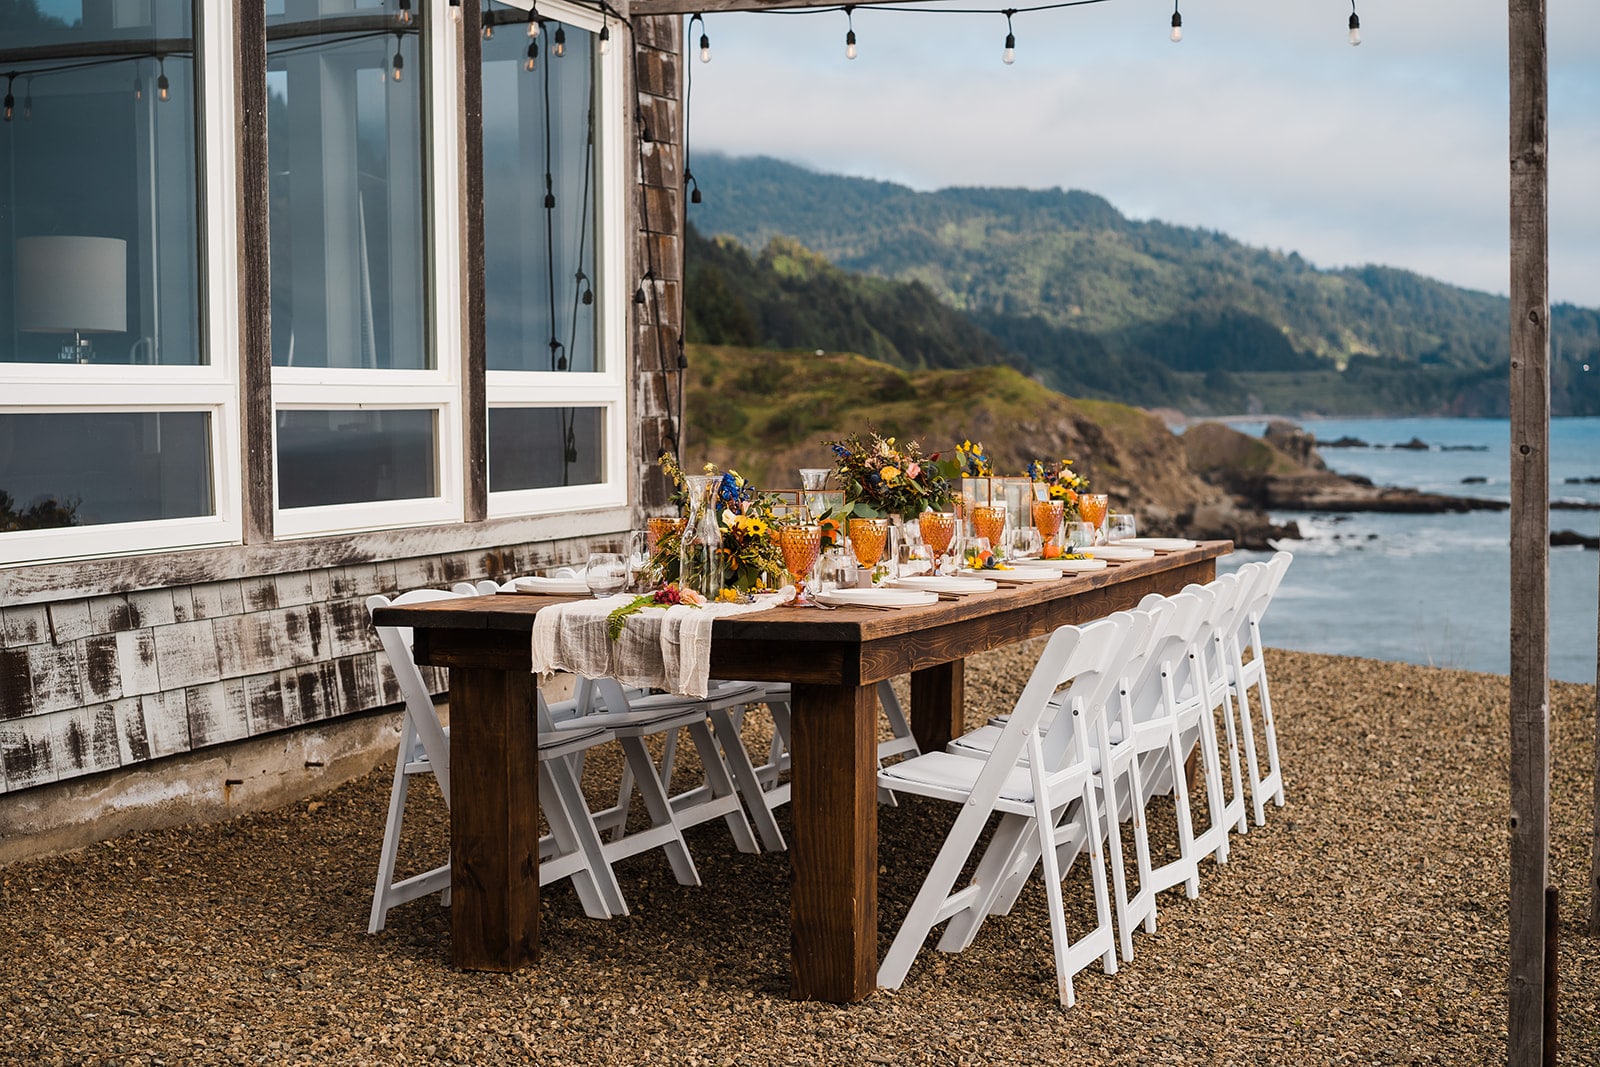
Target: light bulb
column 559, row 49
column 850, row 45
column 605, row 40
column 1177, row 25
column 455, row 11
column 11, row 102
column 405, row 13
column 533, row 57
column 705, row 49
column 399, row 60
column 1355, row 29
column 488, row 26
column 162, row 86
column 1009, row 56
column 533, row 22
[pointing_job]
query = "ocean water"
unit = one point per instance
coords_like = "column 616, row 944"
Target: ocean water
column 1436, row 589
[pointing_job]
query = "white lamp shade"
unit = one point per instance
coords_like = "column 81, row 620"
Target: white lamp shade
column 72, row 284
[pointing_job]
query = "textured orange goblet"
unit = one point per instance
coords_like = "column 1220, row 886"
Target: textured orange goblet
column 658, row 526
column 800, row 546
column 867, row 537
column 938, row 530
column 989, row 520
column 1047, row 515
column 1092, row 508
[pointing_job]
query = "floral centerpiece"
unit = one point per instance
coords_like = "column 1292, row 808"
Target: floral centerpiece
column 745, row 518
column 1062, row 483
column 883, row 478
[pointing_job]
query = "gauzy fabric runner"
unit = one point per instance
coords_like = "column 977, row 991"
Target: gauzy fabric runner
column 659, row 648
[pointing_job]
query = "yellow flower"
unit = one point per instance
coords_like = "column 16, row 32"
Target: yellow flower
column 890, row 473
column 728, row 596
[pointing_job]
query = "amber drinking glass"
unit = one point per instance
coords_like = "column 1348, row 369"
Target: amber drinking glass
column 989, row 521
column 1047, row 515
column 800, row 545
column 1092, row 508
column 938, row 530
column 658, row 526
column 867, row 537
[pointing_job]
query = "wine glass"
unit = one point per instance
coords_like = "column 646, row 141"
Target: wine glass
column 800, row 545
column 606, row 573
column 867, row 538
column 641, row 577
column 1025, row 543
column 1047, row 515
column 1092, row 508
column 812, row 481
column 989, row 522
column 1119, row 526
column 1080, row 535
column 938, row 530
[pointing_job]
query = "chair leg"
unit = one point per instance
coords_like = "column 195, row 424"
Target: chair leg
column 744, row 776
column 391, row 835
column 931, row 898
column 1236, row 809
column 1273, row 786
column 1247, row 729
column 660, row 809
column 565, row 827
column 716, row 772
column 1005, row 850
column 1097, row 873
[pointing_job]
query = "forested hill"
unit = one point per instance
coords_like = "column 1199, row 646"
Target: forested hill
column 1065, row 285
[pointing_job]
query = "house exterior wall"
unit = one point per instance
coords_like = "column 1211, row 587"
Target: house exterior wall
column 113, row 664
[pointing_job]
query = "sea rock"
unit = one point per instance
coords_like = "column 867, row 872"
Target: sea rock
column 1416, row 444
column 1344, row 442
column 1559, row 538
column 1295, row 443
column 1474, row 479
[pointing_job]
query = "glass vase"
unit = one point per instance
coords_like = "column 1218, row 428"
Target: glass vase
column 700, row 552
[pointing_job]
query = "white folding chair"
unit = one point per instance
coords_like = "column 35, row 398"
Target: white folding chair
column 570, row 850
column 1252, row 673
column 1041, row 782
column 900, row 741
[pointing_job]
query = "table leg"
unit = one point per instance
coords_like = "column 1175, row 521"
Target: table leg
column 494, row 819
column 834, row 853
column 938, row 696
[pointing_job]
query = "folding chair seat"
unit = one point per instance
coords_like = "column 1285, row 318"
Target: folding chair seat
column 1042, row 784
column 1252, row 673
column 570, row 850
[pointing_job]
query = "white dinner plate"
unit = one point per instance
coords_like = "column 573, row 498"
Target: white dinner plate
column 885, row 598
column 1069, row 566
column 947, row 583
column 552, row 586
column 1015, row 574
column 1160, row 544
column 1120, row 552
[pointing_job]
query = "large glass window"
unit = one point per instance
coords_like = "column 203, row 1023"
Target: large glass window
column 344, row 147
column 540, row 448
column 350, row 457
column 98, row 229
column 539, row 198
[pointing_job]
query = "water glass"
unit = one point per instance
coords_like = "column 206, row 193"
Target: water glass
column 911, row 558
column 1080, row 535
column 606, row 574
column 641, row 575
column 1119, row 526
column 1025, row 543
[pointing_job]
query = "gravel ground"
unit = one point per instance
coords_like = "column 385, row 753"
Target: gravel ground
column 1365, row 923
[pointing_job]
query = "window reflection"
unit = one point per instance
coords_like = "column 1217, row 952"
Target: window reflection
column 351, row 457
column 98, row 215
column 344, row 148
column 87, row 468
column 539, row 448
column 539, row 260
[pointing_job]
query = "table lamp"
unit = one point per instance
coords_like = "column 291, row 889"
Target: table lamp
column 76, row 285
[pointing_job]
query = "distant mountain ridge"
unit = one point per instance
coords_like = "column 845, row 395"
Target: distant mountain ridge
column 1165, row 314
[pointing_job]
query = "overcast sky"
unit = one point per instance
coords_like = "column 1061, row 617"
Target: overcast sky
column 1262, row 123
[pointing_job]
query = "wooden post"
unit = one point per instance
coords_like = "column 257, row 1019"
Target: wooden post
column 1530, row 531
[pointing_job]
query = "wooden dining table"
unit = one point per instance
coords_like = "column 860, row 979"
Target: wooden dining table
column 833, row 660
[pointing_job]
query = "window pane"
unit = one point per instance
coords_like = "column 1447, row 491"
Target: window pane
column 539, row 259
column 536, row 448
column 98, row 216
column 88, row 468
column 344, row 147
column 350, row 457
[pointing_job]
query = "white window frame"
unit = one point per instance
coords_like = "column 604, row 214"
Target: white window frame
column 606, row 388
column 437, row 389
column 44, row 389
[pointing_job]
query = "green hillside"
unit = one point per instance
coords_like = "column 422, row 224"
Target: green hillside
column 1097, row 304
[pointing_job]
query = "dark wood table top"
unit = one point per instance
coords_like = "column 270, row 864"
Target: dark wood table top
column 849, row 644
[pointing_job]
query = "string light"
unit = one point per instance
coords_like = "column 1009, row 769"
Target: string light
column 488, row 23
column 587, row 290
column 404, row 17
column 850, row 35
column 1177, row 23
column 455, row 11
column 1009, row 56
column 605, row 38
column 533, row 20
column 532, row 63
column 11, row 101
column 705, row 42
column 559, row 49
column 399, row 60
column 1355, row 25
column 161, row 82
column 694, row 186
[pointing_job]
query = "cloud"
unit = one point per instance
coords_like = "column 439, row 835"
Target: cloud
column 1263, row 123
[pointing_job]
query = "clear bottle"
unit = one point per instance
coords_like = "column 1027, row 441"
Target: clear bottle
column 700, row 554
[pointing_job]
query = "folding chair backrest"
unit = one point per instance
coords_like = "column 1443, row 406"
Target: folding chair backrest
column 1175, row 631
column 1076, row 670
column 419, row 703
